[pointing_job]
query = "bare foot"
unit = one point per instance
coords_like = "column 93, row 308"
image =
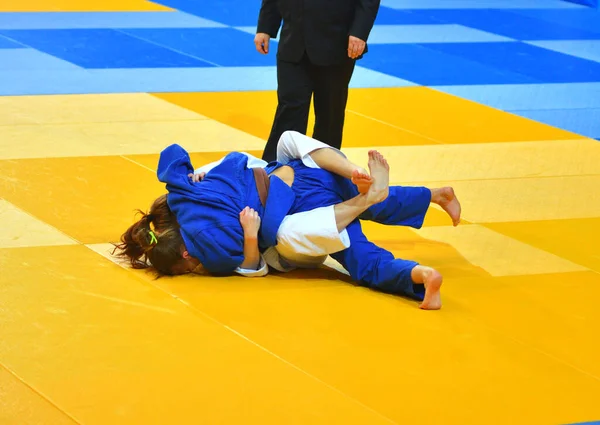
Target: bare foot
column 446, row 199
column 433, row 299
column 362, row 180
column 380, row 172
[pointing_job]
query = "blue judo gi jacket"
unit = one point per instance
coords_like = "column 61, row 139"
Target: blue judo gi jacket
column 208, row 211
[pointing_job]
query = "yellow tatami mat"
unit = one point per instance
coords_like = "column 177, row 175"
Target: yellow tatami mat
column 86, row 340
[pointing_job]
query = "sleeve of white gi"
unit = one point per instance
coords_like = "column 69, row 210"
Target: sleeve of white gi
column 294, row 145
column 253, row 162
column 263, row 270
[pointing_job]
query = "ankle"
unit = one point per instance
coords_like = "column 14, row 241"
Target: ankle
column 435, row 196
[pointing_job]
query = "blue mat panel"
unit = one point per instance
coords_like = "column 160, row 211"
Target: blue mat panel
column 585, row 49
column 581, row 121
column 219, row 46
column 447, row 33
column 80, row 81
column 101, row 20
column 426, row 66
column 102, row 48
column 590, row 3
column 510, row 24
column 479, row 4
column 5, row 43
column 582, row 17
column 18, row 60
column 534, row 62
column 229, row 12
column 389, row 16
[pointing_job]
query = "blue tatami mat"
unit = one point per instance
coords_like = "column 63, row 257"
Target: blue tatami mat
column 581, row 121
column 5, row 43
column 515, row 55
column 509, row 24
column 18, row 60
column 430, row 67
column 95, row 20
column 582, row 17
column 229, row 12
column 221, row 46
column 389, row 16
column 585, row 49
column 480, row 4
column 534, row 62
column 157, row 80
column 96, row 49
column 448, row 33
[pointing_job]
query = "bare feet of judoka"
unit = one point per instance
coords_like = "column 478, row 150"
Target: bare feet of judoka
column 380, row 172
column 446, row 199
column 362, row 180
column 432, row 280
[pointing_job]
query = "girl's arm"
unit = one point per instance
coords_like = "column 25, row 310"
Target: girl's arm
column 253, row 264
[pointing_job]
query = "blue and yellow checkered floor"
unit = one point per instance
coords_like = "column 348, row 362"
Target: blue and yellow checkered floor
column 498, row 98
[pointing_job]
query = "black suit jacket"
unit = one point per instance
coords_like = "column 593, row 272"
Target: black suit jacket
column 318, row 27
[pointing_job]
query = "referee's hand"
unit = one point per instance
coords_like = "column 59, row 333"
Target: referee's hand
column 356, row 47
column 261, row 41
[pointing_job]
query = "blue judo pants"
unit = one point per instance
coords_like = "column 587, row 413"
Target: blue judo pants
column 368, row 264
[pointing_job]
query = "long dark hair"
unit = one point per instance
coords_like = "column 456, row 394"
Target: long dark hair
column 154, row 240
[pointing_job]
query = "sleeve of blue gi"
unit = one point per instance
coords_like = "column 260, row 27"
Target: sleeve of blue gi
column 174, row 166
column 220, row 249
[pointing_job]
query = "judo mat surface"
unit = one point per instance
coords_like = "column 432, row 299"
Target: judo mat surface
column 499, row 99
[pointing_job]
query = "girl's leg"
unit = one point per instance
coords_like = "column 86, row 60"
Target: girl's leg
column 321, row 231
column 376, row 268
column 407, row 206
column 315, row 154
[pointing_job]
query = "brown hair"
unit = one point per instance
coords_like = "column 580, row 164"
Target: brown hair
column 154, row 240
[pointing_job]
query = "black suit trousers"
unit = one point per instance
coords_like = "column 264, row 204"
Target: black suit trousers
column 297, row 83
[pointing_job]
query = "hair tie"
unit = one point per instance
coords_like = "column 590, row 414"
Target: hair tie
column 153, row 240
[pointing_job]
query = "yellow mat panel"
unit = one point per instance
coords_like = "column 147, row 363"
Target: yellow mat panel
column 527, row 199
column 198, row 158
column 91, row 199
column 361, row 130
column 484, row 161
column 575, row 239
column 85, row 337
column 447, row 118
column 21, row 405
column 420, row 116
column 235, row 284
column 145, row 336
column 90, row 108
column 552, row 314
column 120, row 138
column 80, row 6
column 512, row 337
column 390, row 347
column 20, row 229
column 497, row 254
column 253, row 112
